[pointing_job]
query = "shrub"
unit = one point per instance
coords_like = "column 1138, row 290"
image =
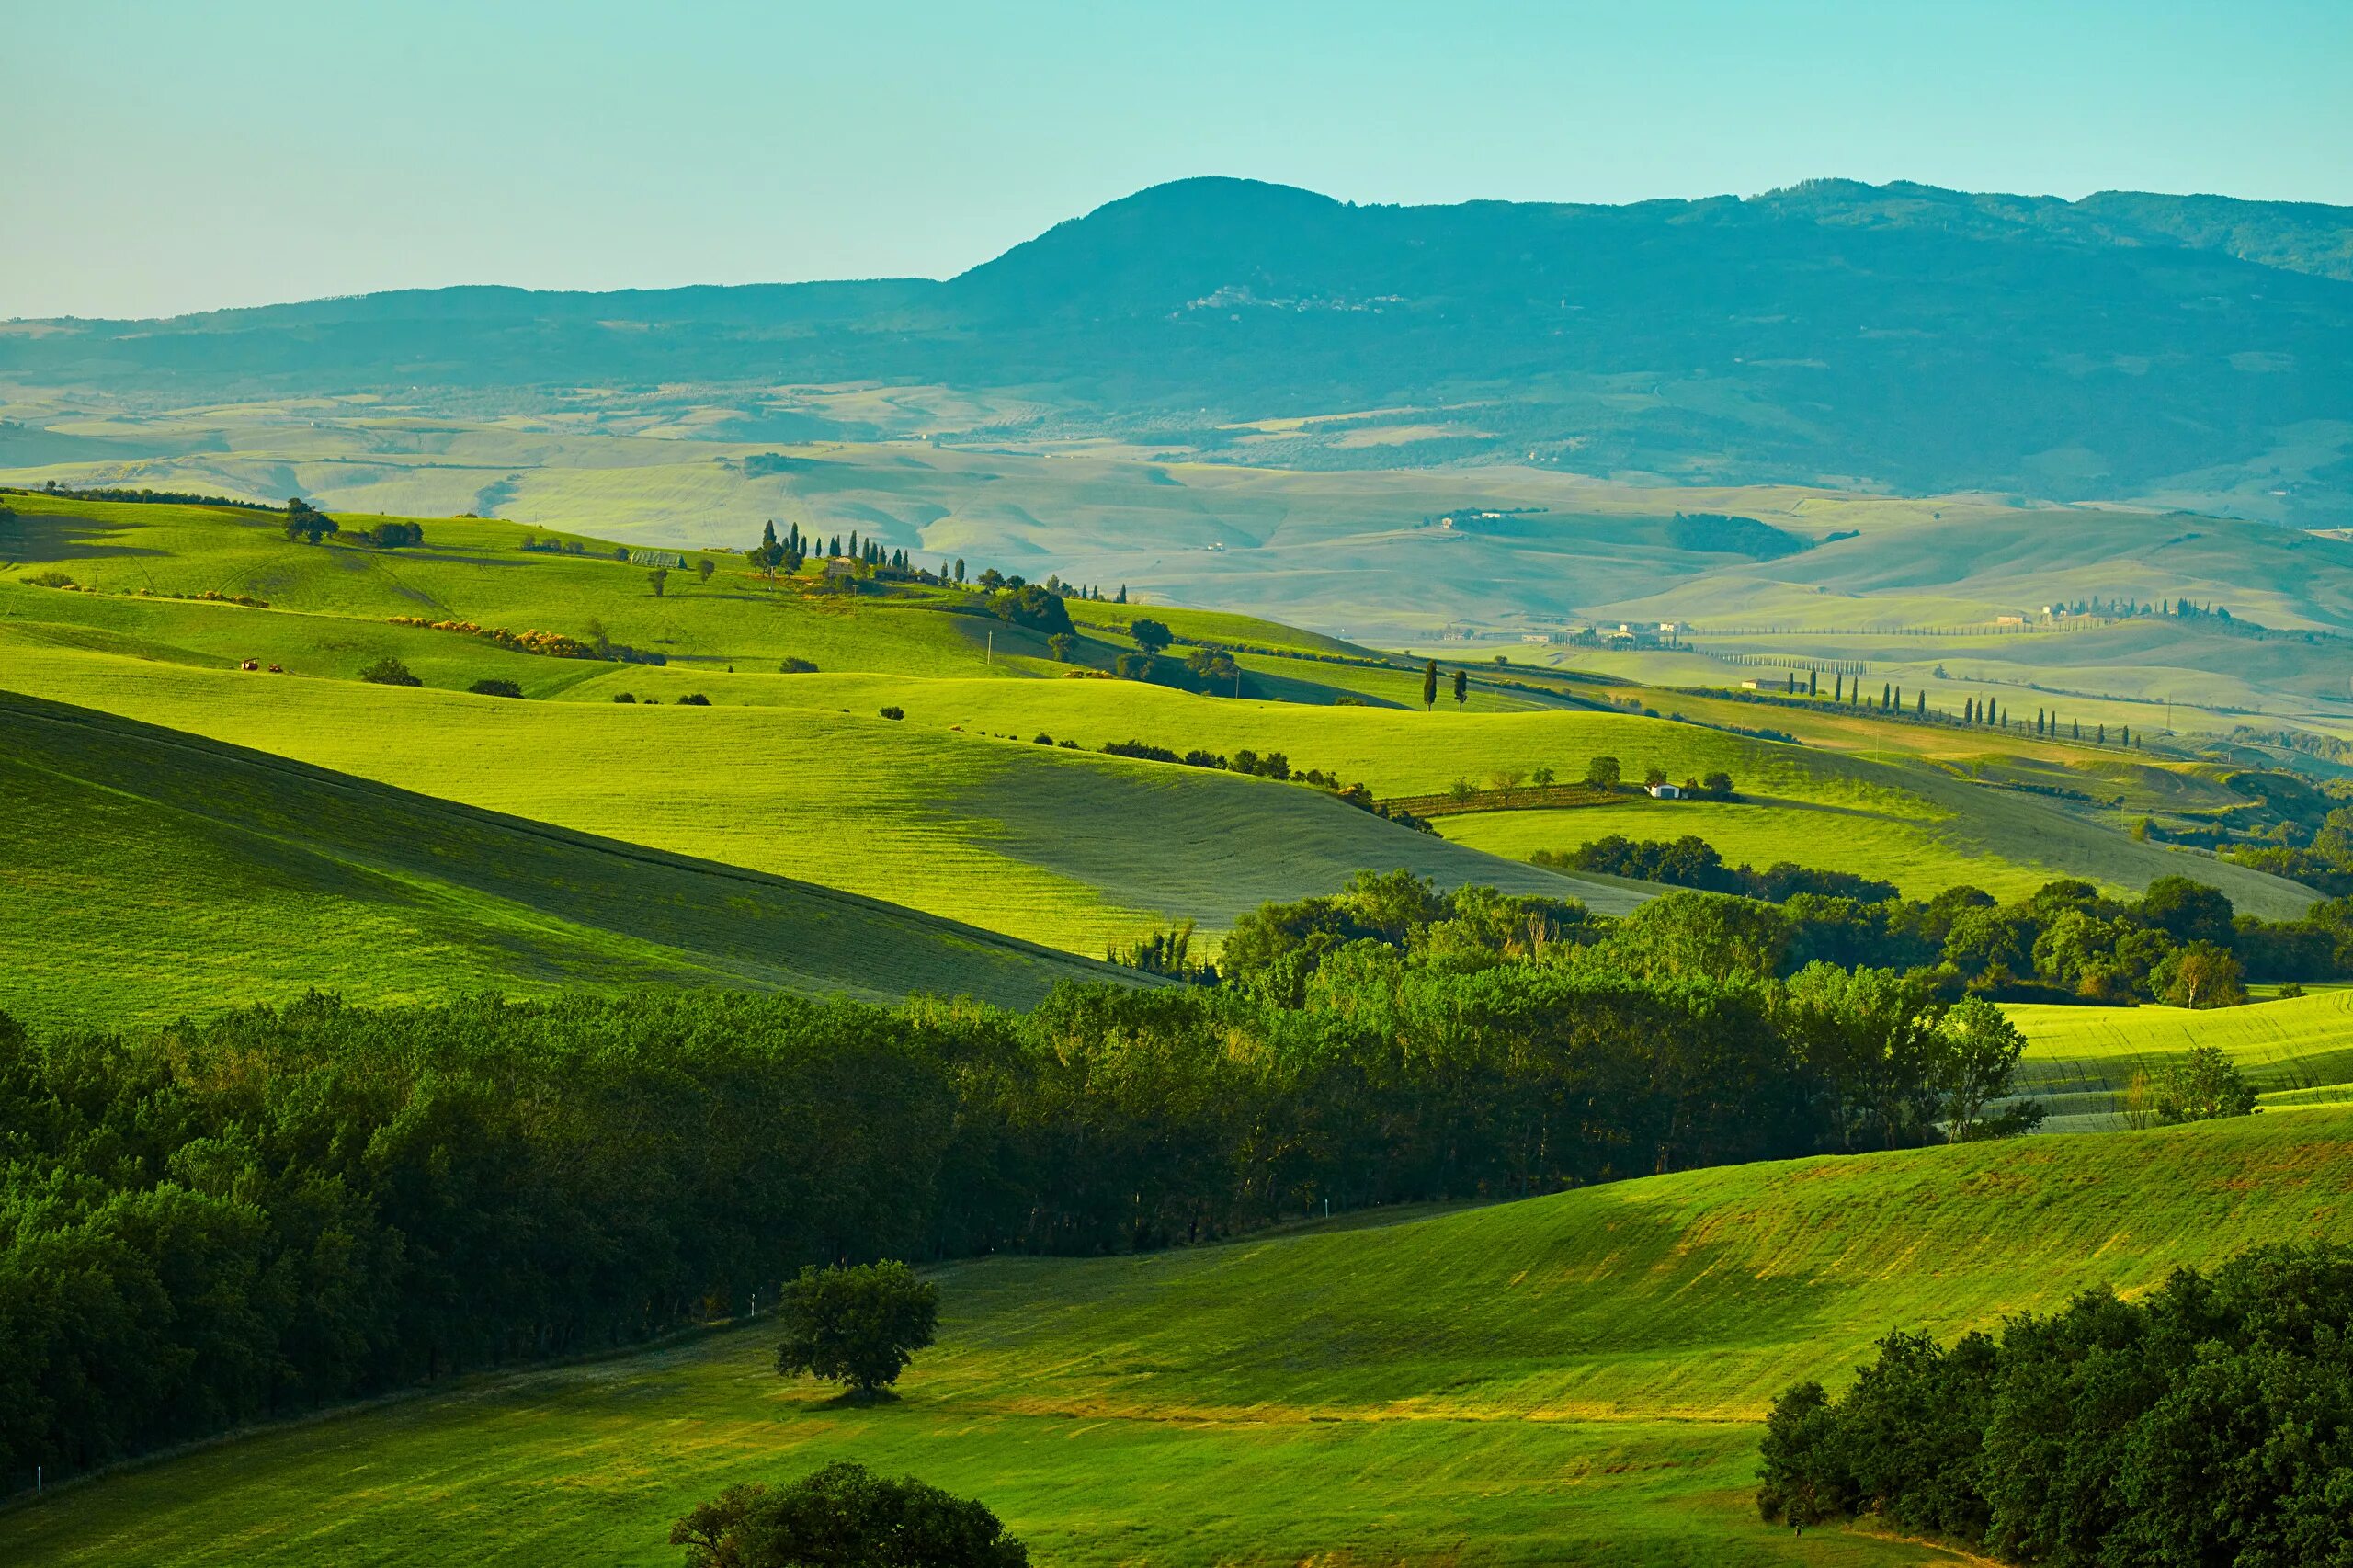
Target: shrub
column 844, row 1515
column 1061, row 644
column 491, row 686
column 50, row 580
column 2202, row 1086
column 894, row 712
column 624, row 697
column 694, row 699
column 858, row 1325
column 796, row 667
column 1038, row 609
column 389, row 672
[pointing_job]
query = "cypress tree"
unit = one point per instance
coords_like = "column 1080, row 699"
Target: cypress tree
column 1837, row 688
column 1814, row 683
column 1920, row 704
column 1429, row 682
column 1882, row 697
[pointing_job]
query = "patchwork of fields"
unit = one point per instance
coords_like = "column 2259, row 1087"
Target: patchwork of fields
column 929, row 810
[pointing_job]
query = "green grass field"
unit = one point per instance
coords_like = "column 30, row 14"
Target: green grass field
column 936, row 813
column 2298, row 1052
column 1569, row 1378
column 1909, row 854
column 152, row 874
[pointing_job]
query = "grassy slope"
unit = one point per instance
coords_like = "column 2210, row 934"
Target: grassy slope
column 1068, row 849
column 2299, row 1052
column 331, row 604
column 152, row 873
column 1567, row 1378
column 1908, row 854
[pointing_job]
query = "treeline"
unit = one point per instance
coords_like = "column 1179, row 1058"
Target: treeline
column 2180, row 942
column 1274, row 765
column 225, row 1221
column 138, row 498
column 2210, row 1423
column 1692, row 862
column 2321, row 858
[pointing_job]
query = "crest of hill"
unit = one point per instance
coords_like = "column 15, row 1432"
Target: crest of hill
column 236, row 876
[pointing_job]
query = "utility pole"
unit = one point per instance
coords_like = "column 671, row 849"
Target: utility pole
column 990, row 658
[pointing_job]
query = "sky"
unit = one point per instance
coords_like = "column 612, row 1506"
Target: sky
column 157, row 158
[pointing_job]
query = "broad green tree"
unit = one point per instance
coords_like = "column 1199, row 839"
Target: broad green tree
column 859, row 1325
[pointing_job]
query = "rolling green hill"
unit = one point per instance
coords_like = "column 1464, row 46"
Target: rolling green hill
column 956, row 809
column 2297, row 1051
column 151, row 873
column 1572, row 1377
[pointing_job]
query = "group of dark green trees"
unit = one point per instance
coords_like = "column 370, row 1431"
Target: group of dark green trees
column 2180, row 942
column 277, row 1209
column 2210, row 1423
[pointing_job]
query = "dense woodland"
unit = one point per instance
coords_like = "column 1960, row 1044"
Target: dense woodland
column 2212, row 1422
column 237, row 1218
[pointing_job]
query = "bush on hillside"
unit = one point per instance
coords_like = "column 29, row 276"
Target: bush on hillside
column 894, row 712
column 841, row 1516
column 50, row 580
column 2210, row 1422
column 2201, row 1086
column 694, row 699
column 859, row 1327
column 796, row 667
column 389, row 672
column 306, row 523
column 1034, row 606
column 492, row 686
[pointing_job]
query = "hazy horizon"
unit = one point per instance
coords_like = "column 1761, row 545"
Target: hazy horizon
column 314, row 154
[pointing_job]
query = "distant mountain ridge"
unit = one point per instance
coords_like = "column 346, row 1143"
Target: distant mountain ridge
column 1899, row 335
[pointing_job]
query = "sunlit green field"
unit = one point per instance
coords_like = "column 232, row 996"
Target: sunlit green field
column 954, row 811
column 1893, row 849
column 2298, row 1052
column 151, row 875
column 1569, row 1378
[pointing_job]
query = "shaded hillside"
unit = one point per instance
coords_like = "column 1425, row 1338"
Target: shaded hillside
column 152, row 873
column 1899, row 335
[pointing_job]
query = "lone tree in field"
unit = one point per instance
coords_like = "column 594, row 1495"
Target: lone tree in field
column 658, row 578
column 389, row 671
column 1150, row 635
column 1429, row 686
column 306, row 522
column 1602, row 772
column 704, row 567
column 1461, row 689
column 1976, row 1048
column 858, row 1325
column 844, row 1515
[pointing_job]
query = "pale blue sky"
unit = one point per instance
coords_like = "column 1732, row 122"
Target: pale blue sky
column 157, row 158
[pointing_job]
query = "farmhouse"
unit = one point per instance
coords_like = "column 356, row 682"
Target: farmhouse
column 1667, row 792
